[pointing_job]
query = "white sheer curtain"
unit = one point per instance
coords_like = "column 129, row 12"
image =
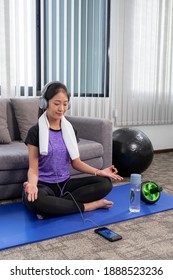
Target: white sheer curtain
column 18, row 48
column 141, row 56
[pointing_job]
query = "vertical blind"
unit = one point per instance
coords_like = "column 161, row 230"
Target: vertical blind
column 143, row 62
column 74, row 40
column 18, row 48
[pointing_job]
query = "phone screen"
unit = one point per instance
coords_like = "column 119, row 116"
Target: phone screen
column 107, row 233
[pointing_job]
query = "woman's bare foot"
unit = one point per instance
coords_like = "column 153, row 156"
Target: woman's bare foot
column 102, row 203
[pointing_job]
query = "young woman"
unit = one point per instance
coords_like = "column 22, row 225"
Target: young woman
column 52, row 146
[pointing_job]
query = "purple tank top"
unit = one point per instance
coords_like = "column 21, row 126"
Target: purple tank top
column 54, row 167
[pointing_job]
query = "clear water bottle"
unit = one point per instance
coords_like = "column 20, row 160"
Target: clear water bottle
column 135, row 193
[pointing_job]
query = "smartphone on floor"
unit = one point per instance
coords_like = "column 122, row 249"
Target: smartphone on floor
column 108, row 234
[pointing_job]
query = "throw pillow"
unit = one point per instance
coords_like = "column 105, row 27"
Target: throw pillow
column 4, row 132
column 26, row 112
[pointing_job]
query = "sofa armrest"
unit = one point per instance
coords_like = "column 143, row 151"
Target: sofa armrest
column 95, row 129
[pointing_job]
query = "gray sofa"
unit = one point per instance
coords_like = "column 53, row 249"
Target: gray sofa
column 16, row 116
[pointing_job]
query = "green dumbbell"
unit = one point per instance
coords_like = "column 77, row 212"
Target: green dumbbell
column 150, row 192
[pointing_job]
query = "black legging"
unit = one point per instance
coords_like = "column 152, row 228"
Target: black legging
column 69, row 196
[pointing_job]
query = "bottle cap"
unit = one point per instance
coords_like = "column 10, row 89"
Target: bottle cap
column 135, row 178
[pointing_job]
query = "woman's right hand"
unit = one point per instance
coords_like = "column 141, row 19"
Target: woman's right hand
column 31, row 190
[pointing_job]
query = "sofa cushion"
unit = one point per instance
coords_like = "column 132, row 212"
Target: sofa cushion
column 26, row 112
column 91, row 153
column 95, row 162
column 4, row 132
column 12, row 122
column 90, row 149
column 13, row 156
column 11, row 191
column 13, row 176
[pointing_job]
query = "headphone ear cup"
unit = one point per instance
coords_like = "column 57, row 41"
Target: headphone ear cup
column 43, row 103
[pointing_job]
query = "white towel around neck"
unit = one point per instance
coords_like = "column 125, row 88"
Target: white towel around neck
column 67, row 133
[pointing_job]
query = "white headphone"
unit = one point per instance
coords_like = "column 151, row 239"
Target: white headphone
column 43, row 101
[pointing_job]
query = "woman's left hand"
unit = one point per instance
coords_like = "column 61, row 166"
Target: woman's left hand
column 110, row 172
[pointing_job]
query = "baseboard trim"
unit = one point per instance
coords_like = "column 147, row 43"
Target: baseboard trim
column 163, row 151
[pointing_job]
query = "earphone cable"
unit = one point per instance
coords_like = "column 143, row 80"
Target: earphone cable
column 67, row 192
column 82, row 216
column 74, row 200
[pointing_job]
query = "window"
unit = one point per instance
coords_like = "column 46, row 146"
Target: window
column 66, row 40
column 74, row 45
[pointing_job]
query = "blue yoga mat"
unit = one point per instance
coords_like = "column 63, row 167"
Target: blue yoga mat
column 18, row 226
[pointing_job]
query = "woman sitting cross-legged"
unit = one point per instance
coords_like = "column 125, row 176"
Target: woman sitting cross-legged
column 52, row 146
